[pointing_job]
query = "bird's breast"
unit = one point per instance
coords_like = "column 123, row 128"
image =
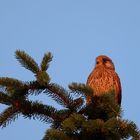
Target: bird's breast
column 101, row 81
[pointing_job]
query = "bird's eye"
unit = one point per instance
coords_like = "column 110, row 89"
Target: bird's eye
column 97, row 62
column 104, row 60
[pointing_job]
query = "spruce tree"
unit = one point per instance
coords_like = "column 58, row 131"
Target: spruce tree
column 99, row 120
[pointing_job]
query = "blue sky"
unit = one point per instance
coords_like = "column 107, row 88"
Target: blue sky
column 75, row 32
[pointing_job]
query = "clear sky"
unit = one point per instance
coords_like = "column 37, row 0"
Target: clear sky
column 75, row 31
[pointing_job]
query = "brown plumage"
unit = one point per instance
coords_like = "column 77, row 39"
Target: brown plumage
column 104, row 79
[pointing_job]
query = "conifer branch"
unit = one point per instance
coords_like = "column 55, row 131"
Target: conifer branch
column 8, row 115
column 34, row 85
column 83, row 89
column 5, row 99
column 59, row 94
column 45, row 61
column 73, row 123
column 27, row 61
column 29, row 108
column 77, row 104
column 43, row 78
column 56, row 92
column 10, row 82
column 93, row 126
column 122, row 129
column 54, row 134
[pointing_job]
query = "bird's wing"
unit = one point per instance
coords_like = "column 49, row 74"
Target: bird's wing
column 89, row 83
column 118, row 88
column 89, row 80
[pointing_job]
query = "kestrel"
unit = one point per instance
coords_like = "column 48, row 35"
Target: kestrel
column 103, row 79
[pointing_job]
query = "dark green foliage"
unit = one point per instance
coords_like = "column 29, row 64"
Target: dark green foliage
column 45, row 61
column 59, row 94
column 5, row 99
column 54, row 134
column 103, row 107
column 8, row 115
column 43, row 78
column 27, row 61
column 10, row 82
column 99, row 120
column 81, row 89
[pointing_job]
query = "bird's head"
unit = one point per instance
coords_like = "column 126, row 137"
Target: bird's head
column 104, row 61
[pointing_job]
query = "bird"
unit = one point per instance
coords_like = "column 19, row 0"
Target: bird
column 104, row 79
